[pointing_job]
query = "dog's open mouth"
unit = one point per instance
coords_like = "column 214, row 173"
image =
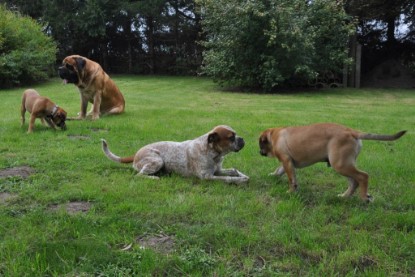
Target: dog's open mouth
column 67, row 76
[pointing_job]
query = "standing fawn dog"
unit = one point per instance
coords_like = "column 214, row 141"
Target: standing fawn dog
column 43, row 108
column 339, row 146
column 201, row 157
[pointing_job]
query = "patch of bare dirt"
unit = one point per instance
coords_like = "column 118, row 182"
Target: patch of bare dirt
column 72, row 207
column 365, row 262
column 5, row 197
column 80, row 137
column 161, row 243
column 99, row 130
column 20, row 171
column 259, row 262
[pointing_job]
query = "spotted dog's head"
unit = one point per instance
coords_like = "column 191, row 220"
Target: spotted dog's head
column 72, row 69
column 224, row 140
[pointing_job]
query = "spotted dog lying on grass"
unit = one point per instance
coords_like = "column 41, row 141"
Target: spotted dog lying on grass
column 201, row 157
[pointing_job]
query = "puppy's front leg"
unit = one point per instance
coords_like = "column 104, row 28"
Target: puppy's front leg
column 50, row 122
column 31, row 122
column 22, row 114
column 290, row 170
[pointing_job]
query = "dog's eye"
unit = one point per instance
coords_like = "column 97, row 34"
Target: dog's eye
column 232, row 138
column 68, row 66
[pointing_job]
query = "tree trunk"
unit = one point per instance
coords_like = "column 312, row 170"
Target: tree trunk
column 104, row 56
column 390, row 33
column 150, row 40
column 176, row 32
column 128, row 30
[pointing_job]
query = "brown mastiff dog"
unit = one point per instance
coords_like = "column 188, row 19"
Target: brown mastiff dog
column 201, row 157
column 43, row 108
column 94, row 85
column 339, row 146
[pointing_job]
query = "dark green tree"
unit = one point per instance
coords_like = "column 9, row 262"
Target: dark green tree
column 26, row 53
column 266, row 44
column 386, row 13
column 156, row 36
column 386, row 29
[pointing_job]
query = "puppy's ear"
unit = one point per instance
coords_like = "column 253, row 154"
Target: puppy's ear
column 269, row 135
column 266, row 137
column 263, row 139
column 62, row 115
column 80, row 63
column 213, row 137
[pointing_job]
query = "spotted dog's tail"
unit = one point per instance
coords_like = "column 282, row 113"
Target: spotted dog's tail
column 114, row 157
column 367, row 136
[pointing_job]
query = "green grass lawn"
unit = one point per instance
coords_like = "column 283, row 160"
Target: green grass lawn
column 175, row 226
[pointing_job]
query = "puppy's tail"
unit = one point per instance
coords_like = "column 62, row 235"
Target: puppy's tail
column 381, row 137
column 114, row 157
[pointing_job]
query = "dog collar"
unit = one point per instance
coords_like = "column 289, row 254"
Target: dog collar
column 54, row 110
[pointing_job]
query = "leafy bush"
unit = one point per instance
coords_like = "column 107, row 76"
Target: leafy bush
column 26, row 52
column 267, row 43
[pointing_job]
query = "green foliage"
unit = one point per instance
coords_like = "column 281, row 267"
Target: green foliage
column 198, row 260
column 25, row 51
column 154, row 36
column 268, row 43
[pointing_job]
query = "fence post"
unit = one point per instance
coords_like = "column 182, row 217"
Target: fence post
column 358, row 62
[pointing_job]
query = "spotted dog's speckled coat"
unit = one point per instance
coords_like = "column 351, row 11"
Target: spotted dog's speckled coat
column 201, row 157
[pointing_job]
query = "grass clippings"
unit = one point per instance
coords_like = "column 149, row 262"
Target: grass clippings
column 161, row 242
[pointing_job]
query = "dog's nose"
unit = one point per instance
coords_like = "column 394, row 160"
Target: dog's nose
column 240, row 143
column 61, row 72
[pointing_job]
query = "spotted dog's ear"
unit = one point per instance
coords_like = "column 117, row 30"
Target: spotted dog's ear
column 213, row 137
column 80, row 63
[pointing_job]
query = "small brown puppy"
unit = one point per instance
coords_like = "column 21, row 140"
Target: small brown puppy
column 95, row 86
column 43, row 108
column 339, row 146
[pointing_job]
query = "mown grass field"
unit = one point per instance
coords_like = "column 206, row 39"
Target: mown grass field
column 130, row 226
